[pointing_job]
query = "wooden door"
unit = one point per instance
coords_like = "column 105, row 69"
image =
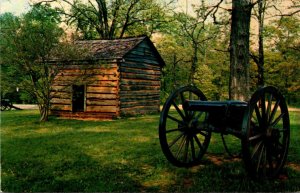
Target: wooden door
column 78, row 98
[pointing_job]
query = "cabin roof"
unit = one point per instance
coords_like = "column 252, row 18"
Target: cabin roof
column 115, row 49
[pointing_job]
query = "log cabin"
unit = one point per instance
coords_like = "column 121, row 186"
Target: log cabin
column 121, row 78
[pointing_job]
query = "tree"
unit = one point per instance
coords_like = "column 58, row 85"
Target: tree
column 194, row 29
column 112, row 19
column 175, row 52
column 268, row 9
column 282, row 61
column 239, row 49
column 212, row 69
column 239, row 42
column 26, row 44
column 259, row 60
column 8, row 22
column 218, row 60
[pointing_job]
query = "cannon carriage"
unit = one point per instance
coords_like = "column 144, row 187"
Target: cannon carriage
column 262, row 124
column 6, row 104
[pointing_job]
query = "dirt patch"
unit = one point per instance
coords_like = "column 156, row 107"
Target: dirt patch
column 221, row 159
column 294, row 166
column 294, row 109
column 217, row 160
column 188, row 183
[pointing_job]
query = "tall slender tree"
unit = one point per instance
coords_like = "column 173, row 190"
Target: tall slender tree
column 260, row 14
column 194, row 28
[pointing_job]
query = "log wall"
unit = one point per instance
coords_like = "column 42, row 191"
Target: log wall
column 140, row 74
column 101, row 91
column 127, row 86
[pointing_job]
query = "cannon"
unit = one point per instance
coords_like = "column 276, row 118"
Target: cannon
column 187, row 121
column 6, row 104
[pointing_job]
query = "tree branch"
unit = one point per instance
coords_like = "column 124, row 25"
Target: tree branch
column 255, row 58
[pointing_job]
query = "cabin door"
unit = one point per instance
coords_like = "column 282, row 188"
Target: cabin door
column 78, row 98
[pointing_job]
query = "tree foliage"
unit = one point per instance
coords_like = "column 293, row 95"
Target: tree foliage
column 102, row 19
column 195, row 49
column 283, row 66
column 25, row 45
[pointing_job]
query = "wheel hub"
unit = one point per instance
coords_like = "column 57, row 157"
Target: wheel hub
column 191, row 127
column 269, row 132
column 272, row 135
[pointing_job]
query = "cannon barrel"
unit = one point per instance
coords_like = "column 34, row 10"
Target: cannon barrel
column 213, row 106
column 221, row 114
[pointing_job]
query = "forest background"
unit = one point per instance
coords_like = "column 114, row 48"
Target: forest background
column 187, row 34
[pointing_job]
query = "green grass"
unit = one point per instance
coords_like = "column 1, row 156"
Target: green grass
column 121, row 155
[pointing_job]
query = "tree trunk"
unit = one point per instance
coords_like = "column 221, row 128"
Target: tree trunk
column 260, row 65
column 239, row 50
column 103, row 19
column 174, row 78
column 194, row 64
column 44, row 112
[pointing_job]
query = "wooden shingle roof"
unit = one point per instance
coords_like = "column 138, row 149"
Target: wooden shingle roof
column 109, row 49
column 115, row 49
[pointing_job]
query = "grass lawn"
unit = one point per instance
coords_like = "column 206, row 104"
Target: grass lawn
column 121, row 155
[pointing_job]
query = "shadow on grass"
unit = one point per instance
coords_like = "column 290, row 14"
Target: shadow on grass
column 218, row 175
column 123, row 155
column 48, row 164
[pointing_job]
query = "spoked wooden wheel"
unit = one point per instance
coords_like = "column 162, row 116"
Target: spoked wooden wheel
column 267, row 138
column 184, row 135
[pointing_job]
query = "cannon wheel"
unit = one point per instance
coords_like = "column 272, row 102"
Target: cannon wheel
column 184, row 135
column 267, row 138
